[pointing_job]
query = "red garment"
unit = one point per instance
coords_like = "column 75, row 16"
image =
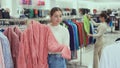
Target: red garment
column 36, row 41
column 27, row 1
column 35, row 11
column 80, row 32
column 86, row 38
column 41, row 2
column 83, row 38
column 17, row 31
column 13, row 36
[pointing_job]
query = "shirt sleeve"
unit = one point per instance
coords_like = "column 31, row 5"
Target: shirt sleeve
column 66, row 38
column 54, row 46
column 94, row 23
column 101, row 31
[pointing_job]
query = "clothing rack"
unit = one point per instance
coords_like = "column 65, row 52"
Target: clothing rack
column 47, row 19
column 81, row 52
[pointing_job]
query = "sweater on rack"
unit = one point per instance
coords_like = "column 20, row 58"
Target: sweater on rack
column 36, row 41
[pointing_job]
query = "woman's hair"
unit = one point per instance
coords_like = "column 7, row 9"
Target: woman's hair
column 106, row 17
column 53, row 10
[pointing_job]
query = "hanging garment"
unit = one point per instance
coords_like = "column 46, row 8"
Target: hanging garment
column 31, row 13
column 13, row 35
column 70, row 29
column 2, row 65
column 24, row 2
column 75, row 39
column 1, row 14
column 6, row 15
column 63, row 24
column 75, row 31
column 111, row 23
column 110, row 57
column 117, row 24
column 46, row 13
column 41, row 2
column 91, row 39
column 6, row 51
column 80, row 32
column 86, row 24
column 28, row 2
column 36, row 41
column 35, row 13
column 27, row 13
column 73, row 12
column 40, row 13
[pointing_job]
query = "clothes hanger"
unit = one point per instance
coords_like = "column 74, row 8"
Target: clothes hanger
column 118, row 39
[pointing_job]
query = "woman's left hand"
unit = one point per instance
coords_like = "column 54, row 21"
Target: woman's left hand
column 89, row 34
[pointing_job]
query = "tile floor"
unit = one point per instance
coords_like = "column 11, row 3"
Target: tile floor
column 87, row 56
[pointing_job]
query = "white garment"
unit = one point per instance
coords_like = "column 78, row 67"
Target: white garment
column 110, row 57
column 61, row 34
column 2, row 65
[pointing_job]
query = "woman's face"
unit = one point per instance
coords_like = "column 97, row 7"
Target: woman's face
column 101, row 19
column 56, row 18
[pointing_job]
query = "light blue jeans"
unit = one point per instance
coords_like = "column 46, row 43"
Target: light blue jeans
column 56, row 61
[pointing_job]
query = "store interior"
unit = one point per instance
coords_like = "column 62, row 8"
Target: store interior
column 100, row 5
column 20, row 11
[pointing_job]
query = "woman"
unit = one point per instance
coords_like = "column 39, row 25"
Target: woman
column 101, row 29
column 62, row 36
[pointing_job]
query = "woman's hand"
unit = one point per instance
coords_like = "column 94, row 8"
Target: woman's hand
column 89, row 17
column 89, row 35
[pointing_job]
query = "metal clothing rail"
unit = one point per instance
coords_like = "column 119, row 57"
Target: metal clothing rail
column 17, row 20
column 70, row 17
column 39, row 19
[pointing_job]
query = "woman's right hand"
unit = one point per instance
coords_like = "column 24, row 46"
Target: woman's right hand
column 89, row 17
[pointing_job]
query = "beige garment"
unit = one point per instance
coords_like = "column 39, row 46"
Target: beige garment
column 102, row 28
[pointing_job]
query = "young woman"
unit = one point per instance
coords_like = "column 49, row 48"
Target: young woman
column 101, row 29
column 62, row 36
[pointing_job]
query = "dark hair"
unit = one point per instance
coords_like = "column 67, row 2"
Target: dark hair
column 106, row 17
column 53, row 10
column 84, row 11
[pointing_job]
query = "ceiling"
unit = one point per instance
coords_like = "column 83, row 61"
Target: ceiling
column 106, row 0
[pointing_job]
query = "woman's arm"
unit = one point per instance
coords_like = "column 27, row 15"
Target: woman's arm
column 101, row 31
column 94, row 23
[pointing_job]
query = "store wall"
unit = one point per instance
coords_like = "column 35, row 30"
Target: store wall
column 107, row 1
column 7, row 4
column 88, row 4
column 14, row 5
